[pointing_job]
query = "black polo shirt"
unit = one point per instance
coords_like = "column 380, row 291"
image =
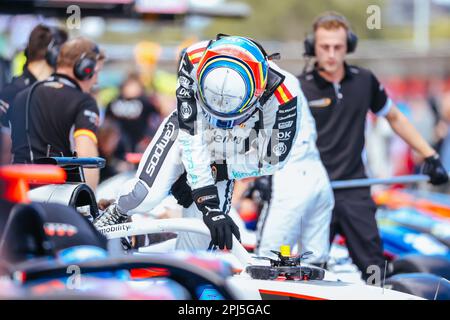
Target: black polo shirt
column 340, row 112
column 132, row 116
column 58, row 112
column 11, row 90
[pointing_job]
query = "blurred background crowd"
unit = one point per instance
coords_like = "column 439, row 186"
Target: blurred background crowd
column 409, row 51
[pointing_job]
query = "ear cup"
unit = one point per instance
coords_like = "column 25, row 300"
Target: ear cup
column 308, row 45
column 53, row 48
column 51, row 56
column 352, row 41
column 84, row 68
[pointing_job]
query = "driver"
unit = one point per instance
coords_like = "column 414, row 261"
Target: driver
column 237, row 116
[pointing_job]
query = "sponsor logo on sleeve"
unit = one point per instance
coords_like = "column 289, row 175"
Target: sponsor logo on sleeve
column 206, row 198
column 184, row 93
column 279, row 149
column 284, row 135
column 160, row 148
column 285, row 125
column 184, row 82
column 185, row 111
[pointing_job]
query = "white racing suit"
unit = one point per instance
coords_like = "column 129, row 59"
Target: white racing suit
column 301, row 201
column 185, row 142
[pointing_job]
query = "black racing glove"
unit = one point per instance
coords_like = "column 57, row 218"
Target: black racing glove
column 220, row 225
column 182, row 191
column 435, row 170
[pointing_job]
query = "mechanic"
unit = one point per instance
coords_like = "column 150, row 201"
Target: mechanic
column 231, row 102
column 301, row 194
column 41, row 53
column 58, row 116
column 339, row 96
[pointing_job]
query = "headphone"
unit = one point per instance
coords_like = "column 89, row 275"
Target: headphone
column 84, row 67
column 309, row 42
column 53, row 48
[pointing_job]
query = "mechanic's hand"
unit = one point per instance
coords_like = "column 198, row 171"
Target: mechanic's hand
column 182, row 192
column 435, row 170
column 104, row 203
column 222, row 229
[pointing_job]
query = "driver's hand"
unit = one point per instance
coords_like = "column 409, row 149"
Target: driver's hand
column 104, row 203
column 222, row 229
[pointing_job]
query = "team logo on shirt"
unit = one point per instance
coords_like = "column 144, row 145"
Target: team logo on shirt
column 279, row 149
column 320, row 103
column 185, row 111
column 93, row 117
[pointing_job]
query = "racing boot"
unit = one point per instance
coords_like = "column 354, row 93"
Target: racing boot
column 110, row 217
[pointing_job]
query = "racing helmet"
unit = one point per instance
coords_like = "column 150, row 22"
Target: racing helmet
column 232, row 76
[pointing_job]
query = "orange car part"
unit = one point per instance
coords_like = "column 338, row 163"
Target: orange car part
column 16, row 179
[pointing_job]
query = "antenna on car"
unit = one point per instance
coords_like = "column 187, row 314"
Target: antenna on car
column 384, row 275
column 438, row 287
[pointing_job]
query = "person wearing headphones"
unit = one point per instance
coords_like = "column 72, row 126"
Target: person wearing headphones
column 58, row 116
column 339, row 96
column 233, row 105
column 41, row 53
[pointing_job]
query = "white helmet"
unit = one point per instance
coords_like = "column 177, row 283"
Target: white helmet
column 232, row 76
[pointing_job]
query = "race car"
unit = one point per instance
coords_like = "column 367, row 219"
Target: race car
column 51, row 232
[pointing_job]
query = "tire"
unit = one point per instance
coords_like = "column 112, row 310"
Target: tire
column 415, row 263
column 423, row 285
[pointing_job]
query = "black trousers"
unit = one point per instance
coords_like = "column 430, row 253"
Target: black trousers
column 354, row 219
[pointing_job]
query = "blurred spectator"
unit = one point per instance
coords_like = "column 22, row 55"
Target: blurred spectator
column 110, row 150
column 132, row 110
column 445, row 147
